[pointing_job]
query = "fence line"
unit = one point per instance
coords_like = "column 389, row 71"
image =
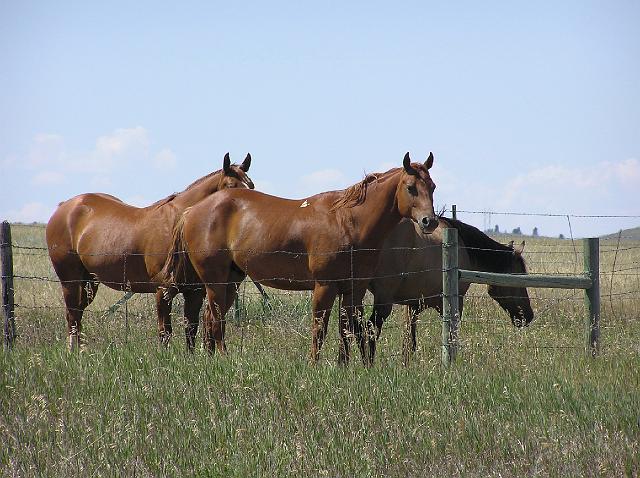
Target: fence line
column 451, row 275
column 622, row 270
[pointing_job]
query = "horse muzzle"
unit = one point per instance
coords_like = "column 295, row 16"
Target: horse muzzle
column 428, row 224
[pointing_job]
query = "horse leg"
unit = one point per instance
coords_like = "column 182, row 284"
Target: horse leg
column 351, row 317
column 410, row 344
column 77, row 297
column 220, row 297
column 377, row 318
column 192, row 305
column 163, row 309
column 323, row 298
column 220, row 326
column 359, row 331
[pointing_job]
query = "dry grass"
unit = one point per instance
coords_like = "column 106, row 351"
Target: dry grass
column 517, row 402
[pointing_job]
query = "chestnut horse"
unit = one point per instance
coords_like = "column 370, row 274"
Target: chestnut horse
column 410, row 272
column 298, row 245
column 95, row 238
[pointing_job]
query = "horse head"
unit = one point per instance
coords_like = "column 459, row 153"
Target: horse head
column 515, row 300
column 235, row 176
column 415, row 194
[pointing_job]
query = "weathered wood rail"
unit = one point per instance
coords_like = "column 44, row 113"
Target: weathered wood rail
column 452, row 275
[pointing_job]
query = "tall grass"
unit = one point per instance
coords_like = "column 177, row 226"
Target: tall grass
column 517, row 401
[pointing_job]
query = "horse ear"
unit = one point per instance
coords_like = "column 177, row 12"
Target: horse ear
column 406, row 162
column 429, row 162
column 510, row 244
column 246, row 163
column 518, row 250
column 226, row 164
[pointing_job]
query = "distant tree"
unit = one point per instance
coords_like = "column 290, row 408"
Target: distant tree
column 561, row 236
column 517, row 231
column 535, row 232
column 497, row 229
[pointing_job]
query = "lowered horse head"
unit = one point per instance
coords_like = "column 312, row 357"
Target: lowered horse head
column 515, row 300
column 415, row 194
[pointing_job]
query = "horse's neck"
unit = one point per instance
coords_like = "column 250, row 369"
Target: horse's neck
column 197, row 192
column 378, row 214
column 483, row 259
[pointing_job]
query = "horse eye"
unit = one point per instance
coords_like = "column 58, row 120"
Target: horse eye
column 412, row 189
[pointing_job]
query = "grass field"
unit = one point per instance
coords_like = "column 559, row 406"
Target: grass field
column 517, row 402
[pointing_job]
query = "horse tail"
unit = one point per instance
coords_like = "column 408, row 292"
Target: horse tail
column 177, row 267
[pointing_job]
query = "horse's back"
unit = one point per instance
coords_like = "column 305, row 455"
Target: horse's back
column 256, row 219
column 73, row 215
column 266, row 236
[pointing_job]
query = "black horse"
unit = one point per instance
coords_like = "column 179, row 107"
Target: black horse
column 410, row 272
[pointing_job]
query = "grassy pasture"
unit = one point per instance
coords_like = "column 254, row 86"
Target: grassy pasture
column 517, row 402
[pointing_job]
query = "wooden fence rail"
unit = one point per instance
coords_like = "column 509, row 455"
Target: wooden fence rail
column 451, row 276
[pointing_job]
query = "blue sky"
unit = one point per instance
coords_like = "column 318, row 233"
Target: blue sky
column 527, row 106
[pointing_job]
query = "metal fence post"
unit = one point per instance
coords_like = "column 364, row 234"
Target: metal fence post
column 592, row 295
column 6, row 257
column 450, row 304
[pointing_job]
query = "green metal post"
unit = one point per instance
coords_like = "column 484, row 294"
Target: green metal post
column 592, row 295
column 450, row 304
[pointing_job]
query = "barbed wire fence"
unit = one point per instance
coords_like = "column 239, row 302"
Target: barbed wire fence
column 116, row 317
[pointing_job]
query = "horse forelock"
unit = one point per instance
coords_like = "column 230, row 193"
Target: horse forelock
column 423, row 172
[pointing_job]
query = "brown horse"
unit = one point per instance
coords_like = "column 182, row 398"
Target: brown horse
column 327, row 243
column 95, row 238
column 410, row 272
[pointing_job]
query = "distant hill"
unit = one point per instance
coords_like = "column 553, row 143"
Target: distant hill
column 633, row 234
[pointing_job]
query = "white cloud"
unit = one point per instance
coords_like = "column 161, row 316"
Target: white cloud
column 628, row 171
column 123, row 146
column 165, row 160
column 606, row 188
column 30, row 212
column 557, row 188
column 120, row 150
column 122, row 140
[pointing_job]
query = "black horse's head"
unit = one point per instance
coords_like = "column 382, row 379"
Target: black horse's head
column 514, row 300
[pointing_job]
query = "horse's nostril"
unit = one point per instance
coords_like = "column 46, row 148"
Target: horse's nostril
column 426, row 222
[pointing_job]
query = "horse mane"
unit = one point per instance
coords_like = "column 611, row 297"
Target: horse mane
column 357, row 194
column 200, row 180
column 488, row 254
column 162, row 202
column 171, row 197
